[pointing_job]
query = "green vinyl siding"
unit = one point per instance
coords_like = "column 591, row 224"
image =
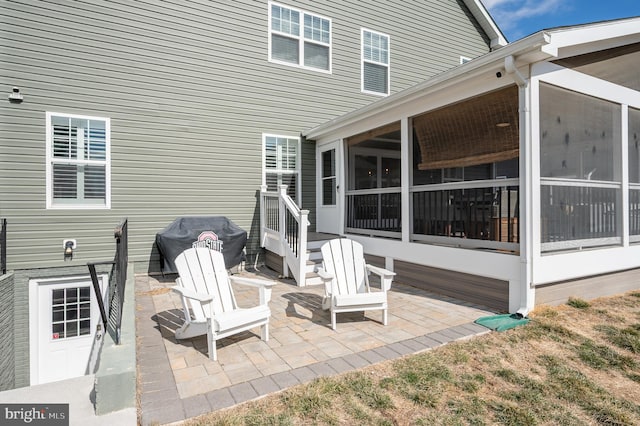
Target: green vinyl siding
column 189, row 91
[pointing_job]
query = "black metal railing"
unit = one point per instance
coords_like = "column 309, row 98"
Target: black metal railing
column 3, row 246
column 117, row 281
column 374, row 212
column 484, row 213
column 292, row 232
column 271, row 208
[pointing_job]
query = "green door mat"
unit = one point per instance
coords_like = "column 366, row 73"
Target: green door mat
column 502, row 322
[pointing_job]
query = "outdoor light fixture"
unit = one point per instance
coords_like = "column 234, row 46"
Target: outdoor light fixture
column 15, row 95
column 69, row 246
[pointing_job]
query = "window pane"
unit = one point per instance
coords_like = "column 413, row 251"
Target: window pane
column 72, row 329
column 85, row 294
column 478, row 172
column 72, row 313
column 634, row 145
column 579, row 135
column 316, row 28
column 85, row 311
column 95, row 141
column 72, row 295
column 57, row 297
column 58, row 331
column 375, row 78
column 376, row 47
column 271, row 180
column 366, row 171
column 57, row 314
column 328, row 163
column 65, row 183
column 64, row 138
column 390, row 172
column 85, row 327
column 94, row 182
column 508, row 168
column 285, row 49
column 329, row 192
column 316, row 56
column 270, row 148
column 285, row 20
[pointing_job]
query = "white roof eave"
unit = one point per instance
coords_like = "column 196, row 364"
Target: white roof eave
column 543, row 45
column 526, row 50
column 487, row 23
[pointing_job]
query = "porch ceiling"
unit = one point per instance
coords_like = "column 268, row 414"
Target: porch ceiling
column 618, row 65
column 480, row 130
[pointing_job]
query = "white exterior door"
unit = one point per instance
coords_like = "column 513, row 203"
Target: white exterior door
column 329, row 194
column 63, row 328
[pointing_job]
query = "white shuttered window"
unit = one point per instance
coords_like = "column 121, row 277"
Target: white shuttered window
column 375, row 62
column 281, row 164
column 299, row 38
column 78, row 161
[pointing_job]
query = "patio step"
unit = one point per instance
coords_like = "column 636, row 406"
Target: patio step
column 314, row 260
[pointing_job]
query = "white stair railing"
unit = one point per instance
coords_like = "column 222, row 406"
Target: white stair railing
column 284, row 231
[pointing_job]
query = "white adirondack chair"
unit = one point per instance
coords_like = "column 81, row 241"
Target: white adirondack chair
column 209, row 303
column 345, row 276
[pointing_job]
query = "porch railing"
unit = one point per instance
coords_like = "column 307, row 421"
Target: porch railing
column 117, row 282
column 284, row 231
column 634, row 212
column 479, row 214
column 3, row 246
column 581, row 214
column 374, row 212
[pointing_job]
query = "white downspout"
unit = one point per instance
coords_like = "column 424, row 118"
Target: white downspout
column 526, row 291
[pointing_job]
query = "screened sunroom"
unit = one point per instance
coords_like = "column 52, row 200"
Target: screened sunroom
column 516, row 175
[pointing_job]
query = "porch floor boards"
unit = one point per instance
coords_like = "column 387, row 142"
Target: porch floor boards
column 177, row 380
column 320, row 236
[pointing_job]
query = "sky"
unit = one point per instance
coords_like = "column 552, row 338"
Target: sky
column 519, row 18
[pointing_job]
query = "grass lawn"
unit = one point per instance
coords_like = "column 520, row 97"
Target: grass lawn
column 571, row 365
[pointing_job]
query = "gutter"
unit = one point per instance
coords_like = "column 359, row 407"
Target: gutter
column 526, row 238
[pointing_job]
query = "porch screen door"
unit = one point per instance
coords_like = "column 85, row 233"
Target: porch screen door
column 329, row 194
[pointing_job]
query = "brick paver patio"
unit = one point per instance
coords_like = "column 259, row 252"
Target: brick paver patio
column 177, row 380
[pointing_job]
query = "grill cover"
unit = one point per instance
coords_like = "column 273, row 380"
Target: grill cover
column 216, row 232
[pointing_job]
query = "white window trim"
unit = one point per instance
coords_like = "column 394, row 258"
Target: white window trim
column 297, row 171
column 301, row 39
column 362, row 61
column 49, row 169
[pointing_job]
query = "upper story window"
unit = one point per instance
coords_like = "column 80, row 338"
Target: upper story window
column 375, row 62
column 299, row 38
column 78, row 161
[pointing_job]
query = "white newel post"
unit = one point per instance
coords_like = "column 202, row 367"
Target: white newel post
column 302, row 247
column 263, row 218
column 282, row 226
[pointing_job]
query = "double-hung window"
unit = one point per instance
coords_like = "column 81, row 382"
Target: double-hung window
column 299, row 38
column 281, row 164
column 78, row 161
column 375, row 62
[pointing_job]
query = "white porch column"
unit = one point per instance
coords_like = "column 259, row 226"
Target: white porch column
column 405, row 176
column 624, row 151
